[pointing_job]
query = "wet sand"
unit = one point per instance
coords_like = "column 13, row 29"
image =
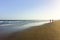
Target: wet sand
column 49, row 31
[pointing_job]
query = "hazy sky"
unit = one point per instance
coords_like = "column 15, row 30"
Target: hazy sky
column 29, row 9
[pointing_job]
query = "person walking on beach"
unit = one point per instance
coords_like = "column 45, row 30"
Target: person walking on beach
column 51, row 21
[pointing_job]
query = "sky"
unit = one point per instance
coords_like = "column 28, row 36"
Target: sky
column 29, row 9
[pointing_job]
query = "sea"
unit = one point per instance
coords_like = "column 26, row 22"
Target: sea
column 11, row 26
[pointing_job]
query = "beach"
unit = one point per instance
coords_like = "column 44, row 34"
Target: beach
column 9, row 27
column 48, row 31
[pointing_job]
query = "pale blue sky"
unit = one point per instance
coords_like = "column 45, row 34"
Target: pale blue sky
column 29, row 9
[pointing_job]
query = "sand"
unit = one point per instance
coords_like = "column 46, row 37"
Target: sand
column 49, row 31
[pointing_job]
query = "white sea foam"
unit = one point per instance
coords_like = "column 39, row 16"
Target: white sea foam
column 10, row 28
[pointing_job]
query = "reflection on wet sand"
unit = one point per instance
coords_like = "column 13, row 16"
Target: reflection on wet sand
column 7, row 29
column 49, row 31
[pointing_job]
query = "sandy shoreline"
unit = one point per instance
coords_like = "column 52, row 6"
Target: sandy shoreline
column 6, row 30
column 49, row 31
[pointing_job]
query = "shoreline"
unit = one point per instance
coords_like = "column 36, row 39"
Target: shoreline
column 8, row 31
column 49, row 31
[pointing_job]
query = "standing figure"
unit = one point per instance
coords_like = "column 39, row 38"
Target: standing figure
column 50, row 21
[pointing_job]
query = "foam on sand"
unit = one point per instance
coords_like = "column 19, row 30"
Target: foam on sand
column 49, row 31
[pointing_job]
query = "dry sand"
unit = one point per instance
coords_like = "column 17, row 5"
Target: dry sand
column 50, row 31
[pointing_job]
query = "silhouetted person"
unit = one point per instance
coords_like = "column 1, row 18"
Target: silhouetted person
column 51, row 21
